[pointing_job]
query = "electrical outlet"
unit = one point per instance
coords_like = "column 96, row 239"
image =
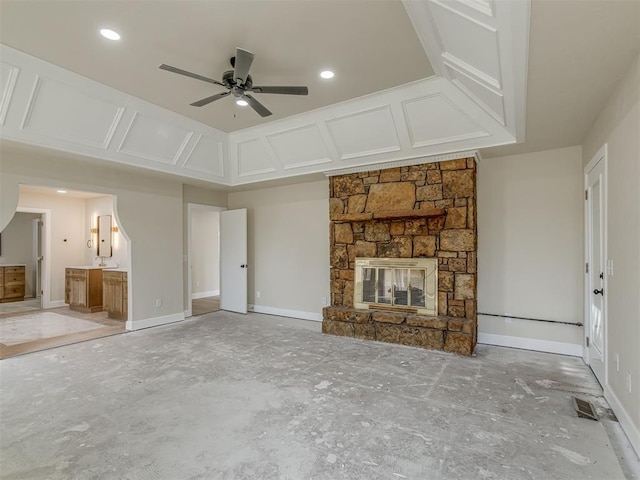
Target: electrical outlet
column 158, row 302
column 628, row 381
column 617, row 362
column 324, row 300
column 257, row 293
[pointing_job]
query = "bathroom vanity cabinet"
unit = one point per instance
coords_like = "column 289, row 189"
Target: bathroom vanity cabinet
column 12, row 283
column 115, row 293
column 83, row 289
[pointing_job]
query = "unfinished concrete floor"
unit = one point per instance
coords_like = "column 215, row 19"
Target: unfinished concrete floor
column 227, row 396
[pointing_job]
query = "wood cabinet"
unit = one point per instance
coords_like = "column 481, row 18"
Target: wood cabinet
column 115, row 294
column 83, row 289
column 12, row 283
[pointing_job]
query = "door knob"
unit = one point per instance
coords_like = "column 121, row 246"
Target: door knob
column 598, row 292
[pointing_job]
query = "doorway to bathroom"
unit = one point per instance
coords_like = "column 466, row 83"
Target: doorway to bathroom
column 53, row 229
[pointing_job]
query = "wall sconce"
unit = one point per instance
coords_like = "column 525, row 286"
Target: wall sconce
column 93, row 231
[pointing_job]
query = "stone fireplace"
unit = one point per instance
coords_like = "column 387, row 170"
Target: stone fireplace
column 390, row 230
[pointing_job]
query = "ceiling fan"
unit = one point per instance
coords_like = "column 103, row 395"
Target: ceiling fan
column 238, row 82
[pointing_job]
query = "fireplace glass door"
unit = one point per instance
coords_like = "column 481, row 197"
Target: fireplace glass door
column 408, row 287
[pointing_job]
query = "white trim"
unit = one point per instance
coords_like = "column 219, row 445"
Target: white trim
column 631, row 430
column 284, row 312
column 563, row 348
column 601, row 155
column 154, row 321
column 211, row 293
column 46, row 253
column 190, row 208
column 405, row 163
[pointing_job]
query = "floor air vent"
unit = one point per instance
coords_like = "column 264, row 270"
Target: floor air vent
column 584, row 409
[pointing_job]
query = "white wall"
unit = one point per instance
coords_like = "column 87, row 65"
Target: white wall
column 68, row 235
column 618, row 125
column 148, row 205
column 530, row 249
column 205, row 253
column 17, row 247
column 288, row 229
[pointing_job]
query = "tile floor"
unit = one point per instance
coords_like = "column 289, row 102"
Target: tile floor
column 26, row 330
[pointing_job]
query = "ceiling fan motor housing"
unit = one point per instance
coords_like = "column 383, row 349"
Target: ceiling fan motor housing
column 227, row 79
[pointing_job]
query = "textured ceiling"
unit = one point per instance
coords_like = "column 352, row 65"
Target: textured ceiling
column 370, row 44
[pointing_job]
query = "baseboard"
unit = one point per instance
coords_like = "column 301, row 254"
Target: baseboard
column 631, row 430
column 154, row 321
column 55, row 304
column 283, row 312
column 548, row 346
column 212, row 293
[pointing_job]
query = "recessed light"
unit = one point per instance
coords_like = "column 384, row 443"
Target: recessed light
column 110, row 34
column 327, row 74
column 61, row 191
column 241, row 102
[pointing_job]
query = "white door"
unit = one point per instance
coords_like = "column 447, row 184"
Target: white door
column 595, row 291
column 233, row 260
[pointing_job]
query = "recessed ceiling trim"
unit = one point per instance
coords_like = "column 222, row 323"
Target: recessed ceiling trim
column 479, row 133
column 147, row 156
column 339, row 125
column 483, row 6
column 273, row 140
column 404, row 163
column 480, row 93
column 104, row 135
column 30, row 102
column 7, row 93
column 217, row 172
column 463, row 15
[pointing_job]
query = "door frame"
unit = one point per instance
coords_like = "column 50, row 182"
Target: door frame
column 600, row 156
column 190, row 208
column 46, row 249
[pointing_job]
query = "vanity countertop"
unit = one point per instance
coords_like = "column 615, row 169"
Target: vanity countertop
column 87, row 267
column 13, row 264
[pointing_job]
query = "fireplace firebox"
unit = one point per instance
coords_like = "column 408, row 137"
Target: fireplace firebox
column 401, row 284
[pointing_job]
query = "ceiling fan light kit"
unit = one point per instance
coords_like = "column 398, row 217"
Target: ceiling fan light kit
column 238, row 82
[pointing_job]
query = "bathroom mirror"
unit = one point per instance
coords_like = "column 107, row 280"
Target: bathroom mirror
column 104, row 236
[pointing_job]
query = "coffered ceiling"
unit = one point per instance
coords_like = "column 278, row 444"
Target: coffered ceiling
column 415, row 80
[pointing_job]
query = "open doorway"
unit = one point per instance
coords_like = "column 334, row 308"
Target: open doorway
column 21, row 262
column 203, row 259
column 54, row 235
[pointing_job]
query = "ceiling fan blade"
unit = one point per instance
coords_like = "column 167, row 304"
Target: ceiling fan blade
column 243, row 62
column 282, row 90
column 179, row 71
column 257, row 106
column 208, row 100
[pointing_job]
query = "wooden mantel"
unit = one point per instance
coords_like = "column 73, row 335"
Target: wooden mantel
column 388, row 215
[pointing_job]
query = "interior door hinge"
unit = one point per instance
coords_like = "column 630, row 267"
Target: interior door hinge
column 587, row 267
column 586, row 194
column 587, row 341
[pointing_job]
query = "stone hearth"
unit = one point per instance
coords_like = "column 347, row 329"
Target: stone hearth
column 424, row 210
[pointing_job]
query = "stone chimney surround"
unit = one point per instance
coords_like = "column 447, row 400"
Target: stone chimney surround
column 426, row 210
